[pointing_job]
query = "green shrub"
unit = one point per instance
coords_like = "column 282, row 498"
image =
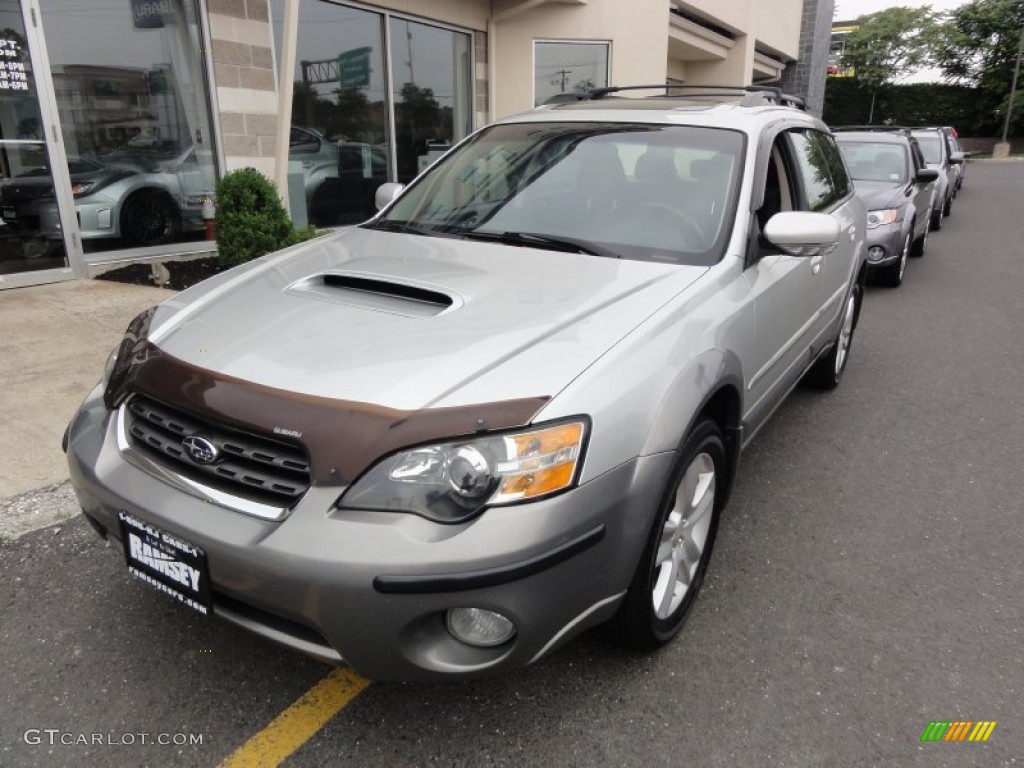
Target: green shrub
column 308, row 232
column 250, row 219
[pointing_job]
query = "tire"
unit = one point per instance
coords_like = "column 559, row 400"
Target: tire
column 948, row 207
column 921, row 244
column 149, row 218
column 827, row 372
column 936, row 220
column 892, row 275
column 675, row 559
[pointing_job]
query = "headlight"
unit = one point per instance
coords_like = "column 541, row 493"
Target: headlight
column 82, row 188
column 883, row 216
column 450, row 482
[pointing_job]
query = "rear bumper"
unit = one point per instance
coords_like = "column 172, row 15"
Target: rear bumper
column 373, row 588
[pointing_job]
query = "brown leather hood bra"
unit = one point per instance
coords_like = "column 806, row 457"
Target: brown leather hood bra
column 343, row 438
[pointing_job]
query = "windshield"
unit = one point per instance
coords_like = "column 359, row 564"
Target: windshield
column 875, row 161
column 930, row 148
column 630, row 190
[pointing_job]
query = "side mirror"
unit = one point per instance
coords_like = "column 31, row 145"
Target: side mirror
column 386, row 193
column 956, row 158
column 927, row 174
column 801, row 233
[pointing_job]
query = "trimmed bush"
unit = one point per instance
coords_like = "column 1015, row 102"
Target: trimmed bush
column 250, row 219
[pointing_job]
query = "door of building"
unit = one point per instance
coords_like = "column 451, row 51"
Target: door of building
column 35, row 190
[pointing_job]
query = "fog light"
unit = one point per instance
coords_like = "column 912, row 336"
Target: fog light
column 876, row 252
column 480, row 627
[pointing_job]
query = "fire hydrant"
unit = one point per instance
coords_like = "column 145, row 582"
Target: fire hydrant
column 209, row 213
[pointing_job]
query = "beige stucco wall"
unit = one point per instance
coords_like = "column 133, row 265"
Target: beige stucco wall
column 637, row 31
column 774, row 23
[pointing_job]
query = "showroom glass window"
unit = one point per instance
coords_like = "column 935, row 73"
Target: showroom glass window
column 433, row 102
column 561, row 67
column 131, row 94
column 363, row 114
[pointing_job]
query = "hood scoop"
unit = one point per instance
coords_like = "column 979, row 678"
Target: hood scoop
column 376, row 293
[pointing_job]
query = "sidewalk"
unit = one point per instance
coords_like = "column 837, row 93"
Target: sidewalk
column 54, row 340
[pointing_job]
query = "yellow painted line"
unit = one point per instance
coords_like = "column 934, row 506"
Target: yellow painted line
column 299, row 722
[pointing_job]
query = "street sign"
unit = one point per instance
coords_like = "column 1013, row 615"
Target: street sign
column 354, row 68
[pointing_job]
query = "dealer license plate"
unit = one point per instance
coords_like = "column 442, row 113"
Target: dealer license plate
column 166, row 563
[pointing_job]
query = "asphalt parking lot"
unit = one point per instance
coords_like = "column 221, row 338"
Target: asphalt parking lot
column 868, row 578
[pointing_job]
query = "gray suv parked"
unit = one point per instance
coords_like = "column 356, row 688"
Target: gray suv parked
column 508, row 408
column 898, row 189
column 939, row 154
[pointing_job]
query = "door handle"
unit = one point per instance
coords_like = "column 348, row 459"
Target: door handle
column 853, row 233
column 816, row 263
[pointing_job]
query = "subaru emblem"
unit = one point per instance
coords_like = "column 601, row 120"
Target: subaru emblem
column 199, row 449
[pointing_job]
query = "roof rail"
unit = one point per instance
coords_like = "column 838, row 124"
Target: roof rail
column 870, row 128
column 752, row 95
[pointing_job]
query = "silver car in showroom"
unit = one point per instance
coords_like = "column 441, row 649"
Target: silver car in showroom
column 897, row 188
column 508, row 408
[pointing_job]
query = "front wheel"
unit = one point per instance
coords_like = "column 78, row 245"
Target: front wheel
column 827, row 372
column 892, row 275
column 678, row 549
column 921, row 244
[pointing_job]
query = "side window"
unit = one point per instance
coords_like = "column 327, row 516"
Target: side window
column 836, row 167
column 779, row 187
column 915, row 151
column 819, row 190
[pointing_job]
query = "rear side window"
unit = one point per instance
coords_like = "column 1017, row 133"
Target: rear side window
column 815, row 173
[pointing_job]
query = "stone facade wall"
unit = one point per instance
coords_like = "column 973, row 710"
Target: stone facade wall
column 805, row 77
column 482, row 116
column 243, row 64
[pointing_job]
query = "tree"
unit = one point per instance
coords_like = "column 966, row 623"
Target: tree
column 890, row 45
column 977, row 46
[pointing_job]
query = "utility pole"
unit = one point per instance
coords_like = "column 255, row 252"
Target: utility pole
column 564, row 75
column 1003, row 148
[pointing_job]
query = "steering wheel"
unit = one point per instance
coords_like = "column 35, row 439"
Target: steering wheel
column 682, row 223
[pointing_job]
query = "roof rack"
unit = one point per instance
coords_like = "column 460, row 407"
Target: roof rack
column 871, row 128
column 752, row 95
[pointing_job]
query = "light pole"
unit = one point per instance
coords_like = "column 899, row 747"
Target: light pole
column 1004, row 149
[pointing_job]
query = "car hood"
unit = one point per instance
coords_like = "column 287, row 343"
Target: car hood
column 407, row 321
column 880, row 194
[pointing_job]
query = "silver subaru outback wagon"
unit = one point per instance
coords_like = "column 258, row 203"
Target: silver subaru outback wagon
column 508, row 408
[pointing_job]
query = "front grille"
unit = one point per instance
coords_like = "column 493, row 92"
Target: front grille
column 252, row 467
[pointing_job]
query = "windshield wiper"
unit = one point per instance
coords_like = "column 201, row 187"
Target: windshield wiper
column 538, row 240
column 396, row 225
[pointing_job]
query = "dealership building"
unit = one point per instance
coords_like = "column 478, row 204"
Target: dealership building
column 117, row 117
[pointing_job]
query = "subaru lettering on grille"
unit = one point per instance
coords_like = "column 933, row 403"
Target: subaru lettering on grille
column 199, row 449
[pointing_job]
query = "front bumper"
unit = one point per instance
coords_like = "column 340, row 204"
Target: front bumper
column 888, row 238
column 373, row 588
